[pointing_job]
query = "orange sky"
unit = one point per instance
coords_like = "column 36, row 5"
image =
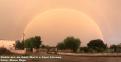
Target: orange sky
column 16, row 14
column 55, row 25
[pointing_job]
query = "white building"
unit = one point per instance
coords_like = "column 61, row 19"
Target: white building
column 7, row 44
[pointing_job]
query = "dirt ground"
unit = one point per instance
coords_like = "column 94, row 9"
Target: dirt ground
column 65, row 58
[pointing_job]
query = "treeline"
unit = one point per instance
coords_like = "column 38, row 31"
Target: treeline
column 70, row 43
column 74, row 45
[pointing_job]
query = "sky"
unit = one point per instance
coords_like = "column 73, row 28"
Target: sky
column 55, row 25
column 15, row 15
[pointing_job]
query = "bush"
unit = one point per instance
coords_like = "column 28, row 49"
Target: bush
column 4, row 51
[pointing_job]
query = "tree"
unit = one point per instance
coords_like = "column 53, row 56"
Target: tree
column 72, row 43
column 116, row 48
column 97, row 45
column 19, row 45
column 37, row 41
column 61, row 46
column 33, row 42
column 28, row 43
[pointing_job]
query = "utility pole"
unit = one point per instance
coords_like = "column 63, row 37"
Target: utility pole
column 23, row 36
column 24, row 41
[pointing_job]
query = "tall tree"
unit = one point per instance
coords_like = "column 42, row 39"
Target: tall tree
column 72, row 43
column 33, row 42
column 19, row 45
column 97, row 45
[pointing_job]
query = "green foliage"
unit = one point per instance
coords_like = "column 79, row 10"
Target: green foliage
column 19, row 45
column 33, row 42
column 37, row 42
column 70, row 43
column 28, row 43
column 97, row 45
column 61, row 46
